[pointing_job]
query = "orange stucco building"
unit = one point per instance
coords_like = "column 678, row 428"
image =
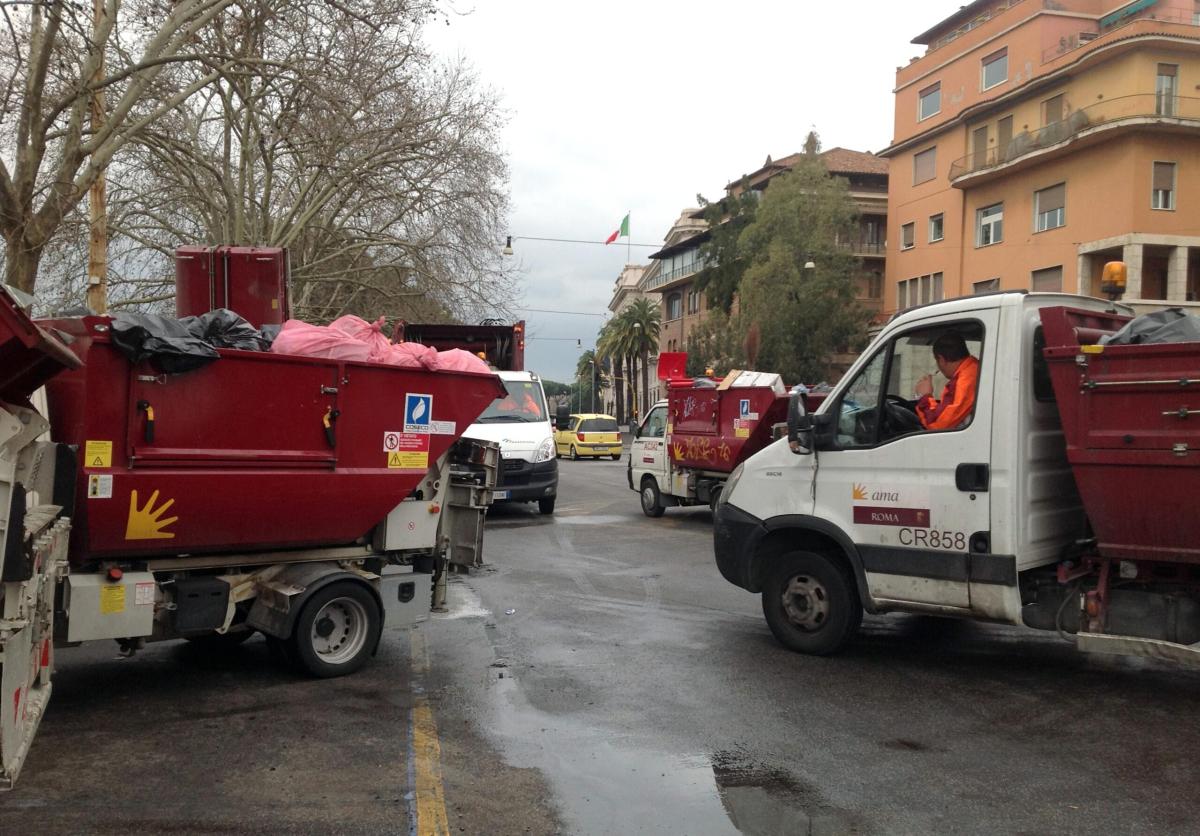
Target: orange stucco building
column 1037, row 139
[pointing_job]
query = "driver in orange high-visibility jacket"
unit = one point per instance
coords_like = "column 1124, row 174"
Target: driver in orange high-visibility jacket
column 954, row 408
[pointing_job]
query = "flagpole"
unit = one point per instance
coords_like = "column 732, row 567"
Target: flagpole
column 629, row 240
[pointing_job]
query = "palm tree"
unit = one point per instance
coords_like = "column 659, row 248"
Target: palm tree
column 645, row 324
column 616, row 341
column 588, row 369
column 607, row 344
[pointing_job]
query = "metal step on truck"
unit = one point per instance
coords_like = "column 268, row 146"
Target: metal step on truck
column 311, row 500
column 1063, row 500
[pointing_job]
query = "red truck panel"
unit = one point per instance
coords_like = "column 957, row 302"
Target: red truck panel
column 238, row 457
column 251, row 281
column 1131, row 416
column 29, row 356
column 707, row 429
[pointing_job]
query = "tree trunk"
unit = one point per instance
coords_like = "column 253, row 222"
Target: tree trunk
column 645, row 380
column 21, row 263
column 618, row 384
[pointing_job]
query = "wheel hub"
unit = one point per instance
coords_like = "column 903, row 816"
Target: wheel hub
column 806, row 602
column 339, row 630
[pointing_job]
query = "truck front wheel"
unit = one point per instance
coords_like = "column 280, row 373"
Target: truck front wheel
column 337, row 630
column 651, row 498
column 810, row 603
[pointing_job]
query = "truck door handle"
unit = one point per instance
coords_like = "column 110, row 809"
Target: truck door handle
column 972, row 477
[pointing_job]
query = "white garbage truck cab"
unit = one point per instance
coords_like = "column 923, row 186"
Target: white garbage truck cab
column 866, row 510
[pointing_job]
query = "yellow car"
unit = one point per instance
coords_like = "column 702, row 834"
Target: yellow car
column 588, row 435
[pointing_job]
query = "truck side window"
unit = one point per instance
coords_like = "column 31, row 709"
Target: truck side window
column 859, row 406
column 656, row 423
column 911, row 359
column 1043, row 389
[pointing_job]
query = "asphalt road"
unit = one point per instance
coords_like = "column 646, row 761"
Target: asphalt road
column 599, row 676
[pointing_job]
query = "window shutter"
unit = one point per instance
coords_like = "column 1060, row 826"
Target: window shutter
column 925, row 165
column 1167, row 70
column 1164, row 177
column 1052, row 198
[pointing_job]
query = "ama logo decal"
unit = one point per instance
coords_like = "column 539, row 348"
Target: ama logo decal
column 418, row 409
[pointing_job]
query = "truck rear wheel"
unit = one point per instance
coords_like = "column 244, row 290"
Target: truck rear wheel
column 337, row 630
column 651, row 498
column 810, row 603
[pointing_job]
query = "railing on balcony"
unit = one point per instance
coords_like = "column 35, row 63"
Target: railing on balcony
column 1164, row 108
column 1073, row 42
column 668, row 276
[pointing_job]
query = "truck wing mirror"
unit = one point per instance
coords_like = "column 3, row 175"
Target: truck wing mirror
column 824, row 430
column 637, row 431
column 799, row 425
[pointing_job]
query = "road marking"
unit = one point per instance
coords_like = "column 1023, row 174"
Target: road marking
column 426, row 752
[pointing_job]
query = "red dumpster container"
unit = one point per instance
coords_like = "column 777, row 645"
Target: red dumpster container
column 716, row 429
column 1131, row 416
column 249, row 280
column 254, row 451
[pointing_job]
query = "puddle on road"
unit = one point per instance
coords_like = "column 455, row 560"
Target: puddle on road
column 596, row 519
column 606, row 787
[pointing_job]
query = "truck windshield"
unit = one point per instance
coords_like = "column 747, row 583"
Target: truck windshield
column 524, row 404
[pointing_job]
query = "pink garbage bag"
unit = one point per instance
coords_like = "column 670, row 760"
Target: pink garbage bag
column 412, row 356
column 371, row 333
column 458, row 360
column 296, row 337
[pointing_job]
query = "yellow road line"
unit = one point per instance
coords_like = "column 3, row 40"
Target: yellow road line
column 427, row 753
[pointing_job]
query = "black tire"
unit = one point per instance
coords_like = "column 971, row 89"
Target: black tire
column 219, row 642
column 546, row 506
column 822, row 611
column 574, row 454
column 337, row 630
column 616, row 457
column 714, row 496
column 651, row 498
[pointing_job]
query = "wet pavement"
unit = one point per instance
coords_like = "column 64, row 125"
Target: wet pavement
column 603, row 649
column 599, row 676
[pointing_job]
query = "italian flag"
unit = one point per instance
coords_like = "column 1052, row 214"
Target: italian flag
column 621, row 232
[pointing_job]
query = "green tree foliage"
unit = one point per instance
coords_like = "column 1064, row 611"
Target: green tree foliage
column 800, row 316
column 727, row 219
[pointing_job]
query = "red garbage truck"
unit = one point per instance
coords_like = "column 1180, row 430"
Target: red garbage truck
column 687, row 445
column 310, row 500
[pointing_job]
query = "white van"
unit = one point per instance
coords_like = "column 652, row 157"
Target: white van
column 520, row 424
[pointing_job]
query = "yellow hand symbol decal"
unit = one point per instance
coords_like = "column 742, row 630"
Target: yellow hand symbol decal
column 144, row 523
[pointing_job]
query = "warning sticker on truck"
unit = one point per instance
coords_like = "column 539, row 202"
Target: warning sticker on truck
column 112, row 599
column 97, row 454
column 411, row 452
column 100, row 486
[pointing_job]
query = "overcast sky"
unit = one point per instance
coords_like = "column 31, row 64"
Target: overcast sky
column 637, row 105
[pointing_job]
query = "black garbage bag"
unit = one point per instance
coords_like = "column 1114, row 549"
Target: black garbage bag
column 171, row 345
column 269, row 332
column 1170, row 326
column 223, row 328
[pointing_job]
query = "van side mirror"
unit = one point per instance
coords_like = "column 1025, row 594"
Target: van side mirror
column 824, row 430
column 637, row 430
column 799, row 425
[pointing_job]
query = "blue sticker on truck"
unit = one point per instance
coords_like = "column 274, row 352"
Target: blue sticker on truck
column 418, row 409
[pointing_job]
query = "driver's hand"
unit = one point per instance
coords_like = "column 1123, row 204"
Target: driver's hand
column 925, row 386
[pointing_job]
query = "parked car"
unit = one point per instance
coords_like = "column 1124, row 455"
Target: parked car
column 588, row 435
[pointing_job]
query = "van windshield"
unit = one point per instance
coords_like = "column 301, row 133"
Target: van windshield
column 524, row 404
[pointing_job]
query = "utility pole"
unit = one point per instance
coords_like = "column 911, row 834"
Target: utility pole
column 97, row 290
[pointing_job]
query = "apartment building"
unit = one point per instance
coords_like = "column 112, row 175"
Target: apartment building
column 1036, row 140
column 675, row 268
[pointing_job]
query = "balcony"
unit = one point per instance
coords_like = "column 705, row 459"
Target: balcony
column 1110, row 23
column 1082, row 127
column 667, row 277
